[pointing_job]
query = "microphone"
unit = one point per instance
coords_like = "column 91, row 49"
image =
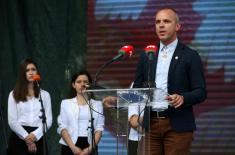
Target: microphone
column 91, row 86
column 87, row 86
column 36, row 77
column 126, row 50
column 150, row 50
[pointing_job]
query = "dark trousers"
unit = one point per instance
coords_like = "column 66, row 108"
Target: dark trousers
column 161, row 139
column 132, row 147
column 82, row 143
column 17, row 146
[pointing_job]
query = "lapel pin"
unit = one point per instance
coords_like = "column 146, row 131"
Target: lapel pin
column 176, row 58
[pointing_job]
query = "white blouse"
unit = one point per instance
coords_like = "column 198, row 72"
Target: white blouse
column 135, row 109
column 72, row 117
column 27, row 114
column 83, row 120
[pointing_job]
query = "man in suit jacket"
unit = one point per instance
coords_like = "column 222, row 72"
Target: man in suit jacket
column 178, row 70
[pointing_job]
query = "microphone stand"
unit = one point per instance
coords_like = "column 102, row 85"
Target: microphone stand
column 149, row 82
column 122, row 52
column 43, row 117
column 150, row 62
column 101, row 69
column 2, row 118
column 94, row 150
column 147, row 107
column 93, row 145
column 3, row 125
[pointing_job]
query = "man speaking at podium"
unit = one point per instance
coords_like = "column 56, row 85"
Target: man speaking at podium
column 178, row 70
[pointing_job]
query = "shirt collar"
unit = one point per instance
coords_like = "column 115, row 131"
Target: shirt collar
column 169, row 46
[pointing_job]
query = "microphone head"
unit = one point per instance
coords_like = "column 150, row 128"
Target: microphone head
column 151, row 49
column 36, row 77
column 126, row 50
column 87, row 86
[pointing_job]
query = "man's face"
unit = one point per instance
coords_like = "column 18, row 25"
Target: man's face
column 166, row 26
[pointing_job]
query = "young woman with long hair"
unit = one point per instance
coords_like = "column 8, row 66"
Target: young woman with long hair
column 24, row 112
column 75, row 119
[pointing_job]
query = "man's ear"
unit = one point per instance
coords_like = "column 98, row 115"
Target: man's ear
column 178, row 26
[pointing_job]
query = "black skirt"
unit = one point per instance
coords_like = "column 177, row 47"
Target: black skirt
column 82, row 143
column 17, row 146
column 132, row 147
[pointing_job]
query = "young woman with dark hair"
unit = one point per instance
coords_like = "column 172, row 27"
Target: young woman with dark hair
column 24, row 111
column 74, row 120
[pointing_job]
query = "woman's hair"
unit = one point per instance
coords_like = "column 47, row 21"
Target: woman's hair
column 74, row 77
column 20, row 90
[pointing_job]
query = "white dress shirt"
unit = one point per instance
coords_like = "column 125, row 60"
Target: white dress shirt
column 28, row 113
column 69, row 119
column 163, row 65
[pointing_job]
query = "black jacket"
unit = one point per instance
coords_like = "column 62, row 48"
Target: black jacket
column 185, row 77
